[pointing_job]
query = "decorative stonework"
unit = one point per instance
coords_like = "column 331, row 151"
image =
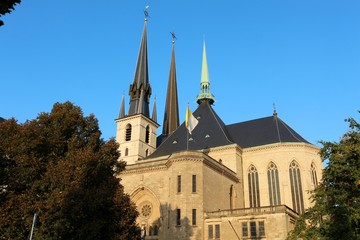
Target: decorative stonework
column 145, row 210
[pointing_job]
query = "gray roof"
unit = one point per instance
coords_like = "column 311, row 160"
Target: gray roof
column 212, row 132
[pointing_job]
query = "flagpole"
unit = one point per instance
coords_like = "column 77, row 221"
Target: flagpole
column 187, row 140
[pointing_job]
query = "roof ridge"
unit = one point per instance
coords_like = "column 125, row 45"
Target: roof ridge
column 291, row 132
column 277, row 128
column 222, row 127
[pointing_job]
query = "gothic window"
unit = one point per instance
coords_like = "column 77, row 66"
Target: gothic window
column 179, row 183
column 210, row 232
column 296, row 187
column 194, row 183
column 217, row 231
column 150, row 231
column 126, row 151
column 178, row 217
column 313, row 175
column 194, row 217
column 273, row 184
column 128, row 132
column 147, row 134
column 156, row 230
column 245, row 231
column 254, row 194
column 261, row 228
column 253, row 229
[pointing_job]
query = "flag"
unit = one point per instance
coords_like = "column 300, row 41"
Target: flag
column 190, row 120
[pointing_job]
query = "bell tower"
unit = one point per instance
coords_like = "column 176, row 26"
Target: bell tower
column 136, row 131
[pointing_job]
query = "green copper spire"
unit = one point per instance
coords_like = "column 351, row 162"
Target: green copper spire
column 205, row 93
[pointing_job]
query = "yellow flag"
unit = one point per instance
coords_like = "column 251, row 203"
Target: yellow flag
column 190, row 120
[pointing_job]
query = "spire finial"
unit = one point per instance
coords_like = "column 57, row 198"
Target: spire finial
column 173, row 37
column 146, row 13
column 275, row 113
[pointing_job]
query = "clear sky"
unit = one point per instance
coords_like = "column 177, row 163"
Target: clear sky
column 302, row 55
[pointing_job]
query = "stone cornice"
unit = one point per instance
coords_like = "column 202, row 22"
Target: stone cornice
column 222, row 148
column 130, row 117
column 278, row 145
column 184, row 156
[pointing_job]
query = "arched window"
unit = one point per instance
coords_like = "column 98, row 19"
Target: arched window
column 146, row 152
column 147, row 134
column 151, row 231
column 273, row 183
column 156, row 230
column 296, row 187
column 254, row 194
column 126, row 151
column 313, row 175
column 128, row 132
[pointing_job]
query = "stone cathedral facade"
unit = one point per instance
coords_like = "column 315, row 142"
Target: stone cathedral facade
column 248, row 180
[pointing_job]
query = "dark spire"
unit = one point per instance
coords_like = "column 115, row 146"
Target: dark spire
column 154, row 113
column 140, row 89
column 122, row 108
column 171, row 115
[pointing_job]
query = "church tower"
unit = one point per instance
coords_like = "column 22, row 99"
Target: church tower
column 136, row 131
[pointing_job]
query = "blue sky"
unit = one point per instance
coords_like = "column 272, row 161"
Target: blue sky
column 304, row 56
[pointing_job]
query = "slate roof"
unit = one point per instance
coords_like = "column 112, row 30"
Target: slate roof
column 263, row 131
column 212, row 132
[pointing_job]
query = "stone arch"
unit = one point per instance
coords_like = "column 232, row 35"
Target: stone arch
column 148, row 206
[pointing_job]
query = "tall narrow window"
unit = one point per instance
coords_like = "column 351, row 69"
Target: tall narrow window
column 245, row 231
column 253, row 229
column 210, row 232
column 231, row 195
column 178, row 217
column 261, row 229
column 126, row 151
column 313, row 175
column 217, row 231
column 156, row 230
column 194, row 217
column 179, row 183
column 273, row 184
column 296, row 187
column 254, row 194
column 147, row 134
column 193, row 183
column 146, row 152
column 128, row 132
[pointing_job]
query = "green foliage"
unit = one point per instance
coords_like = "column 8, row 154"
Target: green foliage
column 58, row 166
column 336, row 212
column 6, row 6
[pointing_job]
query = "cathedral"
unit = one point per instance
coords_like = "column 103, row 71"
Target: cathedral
column 207, row 179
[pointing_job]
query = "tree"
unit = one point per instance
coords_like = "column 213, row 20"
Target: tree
column 58, row 167
column 7, row 6
column 336, row 210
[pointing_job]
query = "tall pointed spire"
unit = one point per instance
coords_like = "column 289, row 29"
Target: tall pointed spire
column 154, row 113
column 141, row 80
column 122, row 108
column 205, row 93
column 171, row 115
